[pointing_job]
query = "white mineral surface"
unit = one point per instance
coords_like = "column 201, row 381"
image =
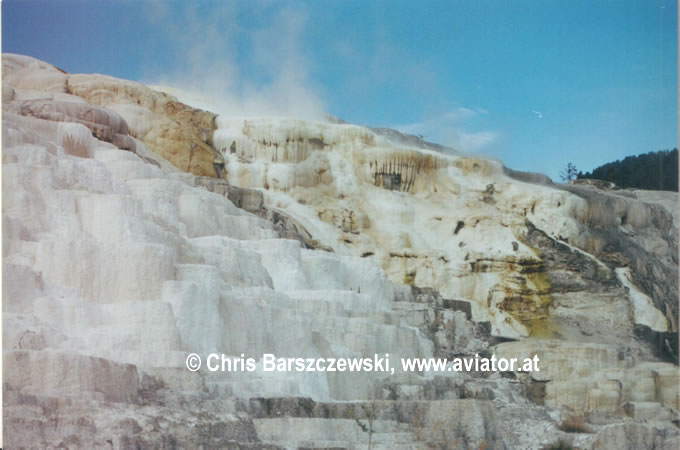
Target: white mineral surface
column 312, row 239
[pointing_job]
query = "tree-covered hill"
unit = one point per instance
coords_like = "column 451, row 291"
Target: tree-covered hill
column 654, row 171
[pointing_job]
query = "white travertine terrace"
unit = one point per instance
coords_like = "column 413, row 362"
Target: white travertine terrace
column 118, row 263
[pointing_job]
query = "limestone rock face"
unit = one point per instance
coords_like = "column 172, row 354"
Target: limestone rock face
column 113, row 108
column 173, row 130
column 104, row 124
column 372, row 194
column 313, row 240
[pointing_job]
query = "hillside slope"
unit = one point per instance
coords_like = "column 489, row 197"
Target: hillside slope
column 653, row 170
column 137, row 230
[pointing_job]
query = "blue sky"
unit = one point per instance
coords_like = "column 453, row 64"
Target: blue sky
column 470, row 74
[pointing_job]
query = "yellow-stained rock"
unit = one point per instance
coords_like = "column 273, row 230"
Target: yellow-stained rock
column 176, row 132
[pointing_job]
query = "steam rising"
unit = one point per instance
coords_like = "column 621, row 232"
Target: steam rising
column 254, row 59
column 228, row 67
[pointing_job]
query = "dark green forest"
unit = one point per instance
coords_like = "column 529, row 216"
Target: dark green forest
column 656, row 171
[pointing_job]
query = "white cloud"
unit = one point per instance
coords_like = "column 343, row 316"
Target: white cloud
column 475, row 141
column 448, row 129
